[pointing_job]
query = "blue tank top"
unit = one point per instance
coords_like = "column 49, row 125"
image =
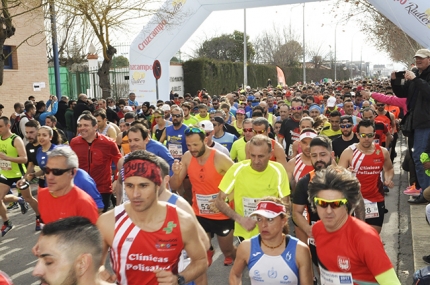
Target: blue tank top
column 281, row 269
column 42, row 157
column 226, row 140
column 176, row 141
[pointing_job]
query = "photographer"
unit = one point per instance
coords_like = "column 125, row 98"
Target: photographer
column 83, row 104
column 416, row 88
column 42, row 109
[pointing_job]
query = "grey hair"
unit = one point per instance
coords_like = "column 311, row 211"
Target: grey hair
column 65, row 151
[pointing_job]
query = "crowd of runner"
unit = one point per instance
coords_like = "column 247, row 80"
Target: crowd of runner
column 153, row 185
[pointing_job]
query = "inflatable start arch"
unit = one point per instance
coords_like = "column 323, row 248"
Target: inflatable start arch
column 167, row 32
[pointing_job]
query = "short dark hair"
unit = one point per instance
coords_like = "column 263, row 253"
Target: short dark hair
column 139, row 128
column 296, row 99
column 29, row 107
column 365, row 124
column 260, row 121
column 335, row 114
column 100, row 113
column 89, row 117
column 71, row 102
column 52, row 118
column 33, row 124
column 5, row 120
column 323, row 141
column 79, row 235
column 129, row 115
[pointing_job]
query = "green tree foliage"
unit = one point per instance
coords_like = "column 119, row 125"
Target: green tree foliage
column 120, row 61
column 227, row 47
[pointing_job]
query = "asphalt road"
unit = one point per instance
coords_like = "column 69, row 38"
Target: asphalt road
column 18, row 262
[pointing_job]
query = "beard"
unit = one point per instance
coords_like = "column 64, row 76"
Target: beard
column 321, row 164
column 176, row 123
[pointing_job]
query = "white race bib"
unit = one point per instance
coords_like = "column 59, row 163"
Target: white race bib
column 5, row 165
column 175, row 150
column 203, row 203
column 371, row 209
column 249, row 205
column 335, row 278
column 305, row 213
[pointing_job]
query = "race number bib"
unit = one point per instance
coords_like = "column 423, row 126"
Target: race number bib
column 175, row 150
column 204, row 204
column 305, row 213
column 249, row 205
column 5, row 165
column 335, row 278
column 371, row 209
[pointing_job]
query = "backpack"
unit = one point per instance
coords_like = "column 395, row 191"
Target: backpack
column 422, row 276
column 15, row 126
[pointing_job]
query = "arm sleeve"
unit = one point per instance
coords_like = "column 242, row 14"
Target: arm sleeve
column 388, row 277
column 391, row 100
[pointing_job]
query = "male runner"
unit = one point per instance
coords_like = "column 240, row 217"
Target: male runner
column 348, row 136
column 146, row 236
column 367, row 160
column 205, row 168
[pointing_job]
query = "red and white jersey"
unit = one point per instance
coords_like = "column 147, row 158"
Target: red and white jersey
column 135, row 254
column 301, row 169
column 368, row 170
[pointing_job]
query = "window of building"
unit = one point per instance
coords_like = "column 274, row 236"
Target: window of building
column 11, row 62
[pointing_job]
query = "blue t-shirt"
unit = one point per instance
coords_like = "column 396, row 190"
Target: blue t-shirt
column 42, row 157
column 84, row 181
column 176, row 141
column 226, row 140
column 159, row 149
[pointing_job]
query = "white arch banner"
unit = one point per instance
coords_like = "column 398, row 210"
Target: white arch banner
column 412, row 16
column 167, row 32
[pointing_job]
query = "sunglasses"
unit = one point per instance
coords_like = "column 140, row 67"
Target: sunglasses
column 194, row 130
column 380, row 105
column 334, row 204
column 109, row 102
column 127, row 124
column 176, row 115
column 259, row 132
column 156, row 117
column 248, row 130
column 56, row 171
column 346, row 126
column 296, row 108
column 371, row 135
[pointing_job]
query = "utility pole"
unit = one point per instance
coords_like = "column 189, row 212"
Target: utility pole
column 245, row 56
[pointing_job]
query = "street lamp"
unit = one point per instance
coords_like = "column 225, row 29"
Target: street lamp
column 304, row 47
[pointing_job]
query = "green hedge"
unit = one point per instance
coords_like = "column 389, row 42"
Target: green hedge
column 221, row 77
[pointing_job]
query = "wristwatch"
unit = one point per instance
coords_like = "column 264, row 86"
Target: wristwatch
column 181, row 280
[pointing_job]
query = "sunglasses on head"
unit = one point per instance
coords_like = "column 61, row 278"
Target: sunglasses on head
column 259, row 132
column 176, row 115
column 371, row 135
column 248, row 130
column 297, row 108
column 346, row 126
column 334, row 204
column 56, row 171
column 194, row 130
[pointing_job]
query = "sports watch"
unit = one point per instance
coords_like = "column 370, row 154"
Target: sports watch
column 181, row 280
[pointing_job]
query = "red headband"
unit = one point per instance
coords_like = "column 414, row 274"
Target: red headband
column 142, row 168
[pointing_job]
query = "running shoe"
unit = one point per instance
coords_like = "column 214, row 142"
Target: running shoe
column 23, row 205
column 6, row 228
column 410, row 187
column 228, row 261
column 210, row 254
column 12, row 205
column 412, row 191
column 39, row 225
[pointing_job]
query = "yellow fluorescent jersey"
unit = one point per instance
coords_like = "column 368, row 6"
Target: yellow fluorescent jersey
column 238, row 150
column 7, row 168
column 250, row 186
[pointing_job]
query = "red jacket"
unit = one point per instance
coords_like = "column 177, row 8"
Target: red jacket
column 97, row 158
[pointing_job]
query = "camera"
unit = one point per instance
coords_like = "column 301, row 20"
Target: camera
column 400, row 74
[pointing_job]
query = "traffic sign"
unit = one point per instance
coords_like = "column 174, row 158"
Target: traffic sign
column 156, row 69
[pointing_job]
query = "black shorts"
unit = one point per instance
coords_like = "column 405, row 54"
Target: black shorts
column 219, row 227
column 8, row 181
column 379, row 220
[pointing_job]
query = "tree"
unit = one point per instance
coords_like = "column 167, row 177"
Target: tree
column 317, row 54
column 120, row 61
column 381, row 32
column 279, row 47
column 226, row 47
column 9, row 10
column 106, row 16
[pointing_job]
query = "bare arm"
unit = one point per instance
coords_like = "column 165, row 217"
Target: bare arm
column 280, row 155
column 180, row 170
column 300, row 221
column 163, row 135
column 241, row 261
column 388, row 169
column 304, row 263
column 106, row 227
column 344, row 159
column 119, row 139
column 359, row 211
column 118, row 190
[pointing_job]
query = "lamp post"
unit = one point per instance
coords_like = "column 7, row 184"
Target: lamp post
column 245, row 69
column 304, row 47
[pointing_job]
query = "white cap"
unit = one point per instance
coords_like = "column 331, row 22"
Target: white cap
column 207, row 125
column 307, row 135
column 128, row 109
column 331, row 102
column 165, row 107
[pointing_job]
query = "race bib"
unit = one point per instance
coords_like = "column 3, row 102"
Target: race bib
column 5, row 165
column 371, row 209
column 175, row 150
column 204, row 204
column 335, row 278
column 305, row 213
column 249, row 205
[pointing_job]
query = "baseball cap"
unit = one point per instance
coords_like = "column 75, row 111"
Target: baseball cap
column 346, row 118
column 269, row 209
column 422, row 53
column 331, row 102
column 207, row 125
column 240, row 111
column 219, row 120
column 165, row 107
column 127, row 109
column 250, row 98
